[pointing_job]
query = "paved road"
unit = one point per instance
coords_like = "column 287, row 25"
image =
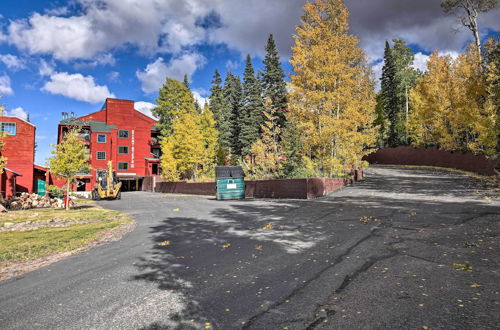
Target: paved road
column 319, row 267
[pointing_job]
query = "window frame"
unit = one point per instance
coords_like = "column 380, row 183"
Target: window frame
column 97, row 155
column 123, row 130
column 121, row 169
column 105, row 138
column 8, row 123
column 123, row 153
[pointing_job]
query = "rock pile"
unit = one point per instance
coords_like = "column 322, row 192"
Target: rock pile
column 32, row 201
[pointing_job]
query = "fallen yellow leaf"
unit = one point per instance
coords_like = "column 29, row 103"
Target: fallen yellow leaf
column 226, row 245
column 165, row 243
column 475, row 285
column 258, row 247
column 176, row 210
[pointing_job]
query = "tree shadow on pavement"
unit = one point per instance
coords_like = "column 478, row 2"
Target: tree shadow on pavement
column 195, row 255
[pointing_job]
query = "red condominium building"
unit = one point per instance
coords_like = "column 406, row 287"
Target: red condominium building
column 120, row 134
column 19, row 148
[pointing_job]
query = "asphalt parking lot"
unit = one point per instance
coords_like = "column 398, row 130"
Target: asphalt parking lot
column 404, row 249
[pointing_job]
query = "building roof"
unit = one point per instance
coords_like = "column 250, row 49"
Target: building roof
column 16, row 117
column 16, row 173
column 95, row 126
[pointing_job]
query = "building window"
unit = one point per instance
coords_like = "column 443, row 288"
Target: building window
column 123, row 134
column 101, row 155
column 122, row 166
column 156, row 152
column 9, row 128
column 123, row 150
column 101, row 138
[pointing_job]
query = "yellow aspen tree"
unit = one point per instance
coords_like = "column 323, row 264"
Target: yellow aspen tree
column 210, row 141
column 332, row 97
column 184, row 147
column 168, row 162
column 476, row 117
column 429, row 120
column 68, row 159
column 265, row 151
column 451, row 107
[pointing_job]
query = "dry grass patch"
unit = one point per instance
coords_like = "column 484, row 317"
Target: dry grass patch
column 42, row 236
column 79, row 213
column 33, row 244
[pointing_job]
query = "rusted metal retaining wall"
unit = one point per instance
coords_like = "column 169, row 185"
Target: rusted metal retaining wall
column 408, row 155
column 283, row 188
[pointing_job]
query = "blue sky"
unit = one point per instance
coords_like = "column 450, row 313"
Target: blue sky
column 69, row 56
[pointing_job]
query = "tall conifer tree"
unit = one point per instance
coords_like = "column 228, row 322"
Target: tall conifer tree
column 233, row 93
column 398, row 78
column 273, row 81
column 221, row 109
column 253, row 106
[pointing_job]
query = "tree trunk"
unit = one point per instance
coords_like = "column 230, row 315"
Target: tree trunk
column 67, row 195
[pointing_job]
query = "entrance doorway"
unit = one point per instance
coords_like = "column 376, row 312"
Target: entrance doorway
column 131, row 184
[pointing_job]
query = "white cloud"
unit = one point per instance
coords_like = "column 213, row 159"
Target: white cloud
column 113, row 76
column 100, row 59
column 377, row 70
column 76, row 86
column 103, row 25
column 420, row 61
column 45, row 68
column 153, row 77
column 200, row 99
column 145, row 108
column 59, row 11
column 232, row 65
column 12, row 62
column 18, row 112
column 5, row 88
column 41, row 137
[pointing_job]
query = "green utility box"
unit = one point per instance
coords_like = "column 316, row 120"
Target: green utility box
column 230, row 182
column 41, row 187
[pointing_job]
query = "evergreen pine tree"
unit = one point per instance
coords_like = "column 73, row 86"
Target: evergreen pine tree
column 388, row 94
column 221, row 109
column 251, row 118
column 273, row 82
column 196, row 105
column 233, row 93
column 291, row 149
column 398, row 77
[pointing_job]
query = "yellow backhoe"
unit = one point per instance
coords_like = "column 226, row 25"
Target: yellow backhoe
column 107, row 186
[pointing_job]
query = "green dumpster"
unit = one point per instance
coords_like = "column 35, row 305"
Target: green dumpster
column 41, row 187
column 230, row 182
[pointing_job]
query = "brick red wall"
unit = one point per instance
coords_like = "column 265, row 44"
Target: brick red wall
column 285, row 188
column 7, row 183
column 20, row 151
column 408, row 155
